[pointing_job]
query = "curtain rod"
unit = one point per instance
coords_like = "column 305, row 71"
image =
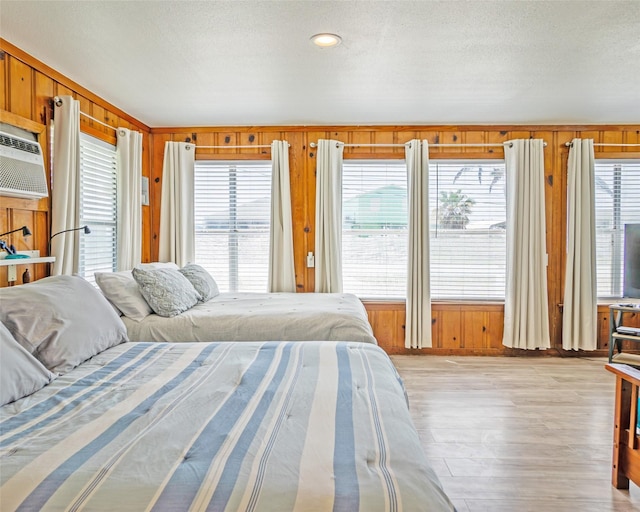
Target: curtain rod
column 570, row 144
column 480, row 145
column 58, row 101
column 236, row 147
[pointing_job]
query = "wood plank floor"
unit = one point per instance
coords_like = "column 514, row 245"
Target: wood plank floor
column 510, row 434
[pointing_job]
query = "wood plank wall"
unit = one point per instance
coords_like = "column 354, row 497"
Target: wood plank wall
column 27, row 87
column 458, row 328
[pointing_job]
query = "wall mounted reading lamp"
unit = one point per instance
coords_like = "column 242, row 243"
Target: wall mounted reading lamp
column 84, row 228
column 10, row 248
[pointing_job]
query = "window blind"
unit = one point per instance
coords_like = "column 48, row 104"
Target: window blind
column 232, row 210
column 617, row 202
column 97, row 206
column 374, row 229
column 467, row 207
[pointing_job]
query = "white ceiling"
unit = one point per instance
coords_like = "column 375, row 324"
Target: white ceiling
column 192, row 63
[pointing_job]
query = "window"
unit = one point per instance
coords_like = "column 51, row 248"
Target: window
column 374, row 228
column 232, row 216
column 468, row 212
column 617, row 203
column 97, row 206
column 467, row 207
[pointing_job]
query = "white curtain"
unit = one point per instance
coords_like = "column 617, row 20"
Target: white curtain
column 129, row 166
column 282, row 275
column 526, row 314
column 328, row 261
column 177, row 227
column 65, row 200
column 418, row 321
column 579, row 319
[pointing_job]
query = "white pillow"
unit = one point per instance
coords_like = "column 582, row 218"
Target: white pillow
column 121, row 289
column 61, row 320
column 167, row 291
column 20, row 373
column 124, row 293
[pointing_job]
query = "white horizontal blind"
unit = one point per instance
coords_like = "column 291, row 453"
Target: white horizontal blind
column 374, row 229
column 232, row 213
column 97, row 206
column 467, row 208
column 617, row 203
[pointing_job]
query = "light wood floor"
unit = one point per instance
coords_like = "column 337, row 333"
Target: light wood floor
column 509, row 434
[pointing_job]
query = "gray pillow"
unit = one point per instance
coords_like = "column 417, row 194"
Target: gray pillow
column 201, row 280
column 123, row 292
column 166, row 290
column 61, row 320
column 20, row 373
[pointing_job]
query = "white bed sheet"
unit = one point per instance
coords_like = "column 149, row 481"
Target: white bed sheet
column 262, row 317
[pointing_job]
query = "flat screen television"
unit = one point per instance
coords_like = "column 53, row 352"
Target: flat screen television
column 631, row 276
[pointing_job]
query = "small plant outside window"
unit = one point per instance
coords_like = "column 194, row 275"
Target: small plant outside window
column 454, row 209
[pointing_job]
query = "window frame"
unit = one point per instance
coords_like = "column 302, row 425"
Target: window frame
column 92, row 223
column 471, row 158
column 617, row 267
column 232, row 279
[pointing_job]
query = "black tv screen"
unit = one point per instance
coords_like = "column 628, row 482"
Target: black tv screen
column 631, row 280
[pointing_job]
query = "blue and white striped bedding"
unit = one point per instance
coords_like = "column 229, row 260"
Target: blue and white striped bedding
column 264, row 426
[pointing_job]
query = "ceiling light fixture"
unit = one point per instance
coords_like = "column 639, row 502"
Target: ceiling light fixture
column 326, row 40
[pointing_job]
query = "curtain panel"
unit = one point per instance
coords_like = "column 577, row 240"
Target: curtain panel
column 526, row 313
column 418, row 320
column 282, row 276
column 129, row 184
column 328, row 242
column 65, row 188
column 580, row 316
column 177, row 225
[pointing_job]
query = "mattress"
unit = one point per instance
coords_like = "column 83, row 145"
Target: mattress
column 262, row 317
column 261, row 426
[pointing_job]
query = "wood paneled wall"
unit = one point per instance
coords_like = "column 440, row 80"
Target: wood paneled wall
column 27, row 85
column 464, row 328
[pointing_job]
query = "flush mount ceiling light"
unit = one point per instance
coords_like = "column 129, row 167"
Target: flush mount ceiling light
column 326, row 40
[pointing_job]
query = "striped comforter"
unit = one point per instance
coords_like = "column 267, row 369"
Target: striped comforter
column 272, row 426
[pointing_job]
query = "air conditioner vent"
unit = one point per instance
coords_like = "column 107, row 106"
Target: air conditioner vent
column 22, row 172
column 22, row 145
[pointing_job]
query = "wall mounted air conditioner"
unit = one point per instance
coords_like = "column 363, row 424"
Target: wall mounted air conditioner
column 22, row 172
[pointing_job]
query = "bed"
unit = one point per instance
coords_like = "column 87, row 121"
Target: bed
column 230, row 316
column 264, row 426
column 261, row 317
column 626, row 427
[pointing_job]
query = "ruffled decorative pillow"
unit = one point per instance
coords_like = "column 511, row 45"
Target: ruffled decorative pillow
column 202, row 281
column 166, row 290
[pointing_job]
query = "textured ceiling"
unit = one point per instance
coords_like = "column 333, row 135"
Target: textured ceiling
column 190, row 63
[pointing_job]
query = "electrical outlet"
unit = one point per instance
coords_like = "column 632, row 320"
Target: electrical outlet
column 12, row 274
